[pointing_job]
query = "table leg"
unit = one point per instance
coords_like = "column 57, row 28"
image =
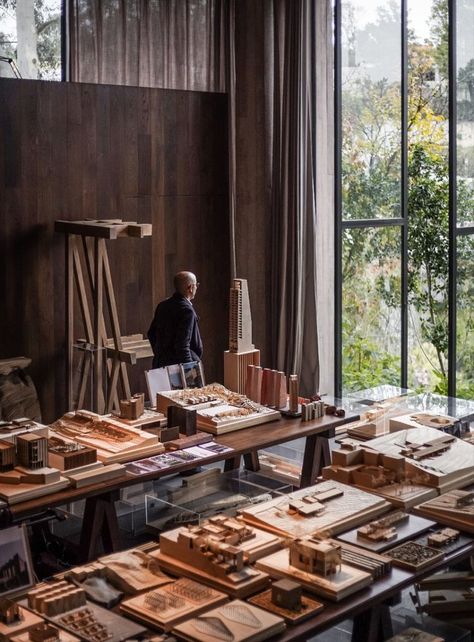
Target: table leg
column 232, row 463
column 99, row 526
column 375, row 624
column 316, row 455
column 251, row 461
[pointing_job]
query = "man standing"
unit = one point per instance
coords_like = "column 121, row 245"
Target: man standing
column 174, row 332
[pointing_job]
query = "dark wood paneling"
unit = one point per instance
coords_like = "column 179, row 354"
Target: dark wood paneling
column 75, row 150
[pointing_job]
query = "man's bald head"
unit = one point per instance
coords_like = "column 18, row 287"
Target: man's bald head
column 186, row 284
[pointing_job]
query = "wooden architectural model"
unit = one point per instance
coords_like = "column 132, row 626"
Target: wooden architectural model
column 240, row 318
column 219, row 410
column 170, row 604
column 445, row 461
column 388, row 475
column 133, row 571
column 113, row 441
column 315, row 557
column 413, row 556
column 442, row 537
column 132, row 408
column 217, row 552
column 32, row 451
column 286, row 599
column 344, row 508
column 66, row 454
column 266, row 386
column 318, row 566
column 14, row 619
column 241, row 351
column 7, row 456
column 383, row 529
column 234, row 622
column 454, row 508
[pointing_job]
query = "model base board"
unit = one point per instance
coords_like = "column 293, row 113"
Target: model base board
column 309, row 607
column 169, row 605
column 14, row 494
column 254, row 581
column 404, row 531
column 454, row 508
column 80, row 479
column 334, row 587
column 234, row 622
column 351, row 508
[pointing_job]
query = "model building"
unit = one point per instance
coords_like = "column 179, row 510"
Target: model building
column 313, row 503
column 132, row 408
column 32, row 451
column 44, row 633
column 315, row 557
column 9, row 612
column 287, row 594
column 240, row 318
column 443, row 537
column 383, row 529
column 7, row 456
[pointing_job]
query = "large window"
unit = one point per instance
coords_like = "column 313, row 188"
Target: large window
column 30, row 39
column 405, row 194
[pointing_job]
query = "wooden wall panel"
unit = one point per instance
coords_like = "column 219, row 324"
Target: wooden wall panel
column 74, row 151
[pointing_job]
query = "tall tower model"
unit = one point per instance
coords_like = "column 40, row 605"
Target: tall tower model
column 241, row 351
column 240, row 318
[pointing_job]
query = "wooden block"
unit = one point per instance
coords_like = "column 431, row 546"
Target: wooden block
column 105, row 473
column 309, row 607
column 184, row 418
column 343, row 457
column 28, row 621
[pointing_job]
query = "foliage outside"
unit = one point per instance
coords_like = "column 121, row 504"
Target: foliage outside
column 371, row 171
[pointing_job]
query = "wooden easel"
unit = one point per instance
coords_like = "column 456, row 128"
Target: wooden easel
column 90, row 237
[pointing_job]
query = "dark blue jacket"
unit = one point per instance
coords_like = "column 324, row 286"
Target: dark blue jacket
column 174, row 332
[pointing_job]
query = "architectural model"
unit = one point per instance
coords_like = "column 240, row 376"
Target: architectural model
column 234, row 622
column 32, row 451
column 14, row 619
column 445, row 461
column 133, row 571
column 293, row 393
column 66, row 605
column 132, row 408
column 442, row 537
column 170, row 604
column 375, row 564
column 287, row 600
column 413, row 556
column 385, row 532
column 45, row 632
column 318, row 566
column 387, row 475
column 417, row 419
column 218, row 551
column 383, row 529
column 113, row 441
column 66, row 454
column 219, row 410
column 241, row 351
column 344, row 508
column 240, row 318
column 454, row 508
column 7, row 456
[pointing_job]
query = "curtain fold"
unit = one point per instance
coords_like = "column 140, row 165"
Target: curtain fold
column 294, row 275
column 173, row 44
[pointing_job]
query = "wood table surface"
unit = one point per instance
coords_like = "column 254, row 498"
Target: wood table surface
column 242, row 442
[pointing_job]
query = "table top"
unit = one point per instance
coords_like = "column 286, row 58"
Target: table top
column 241, row 441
